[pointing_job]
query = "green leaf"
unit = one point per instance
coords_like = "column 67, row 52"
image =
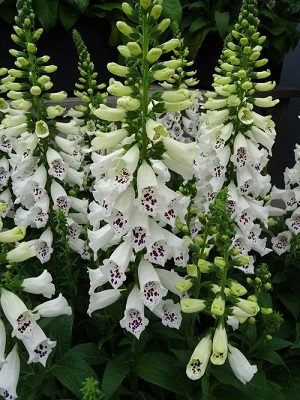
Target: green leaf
column 159, row 369
column 198, row 24
column 296, row 345
column 291, row 302
column 71, row 371
column 79, row 5
column 115, row 372
column 172, row 9
column 67, row 15
column 222, row 22
column 59, row 328
column 109, row 6
column 88, row 352
column 47, row 12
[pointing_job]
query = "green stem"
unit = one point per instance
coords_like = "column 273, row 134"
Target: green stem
column 145, row 84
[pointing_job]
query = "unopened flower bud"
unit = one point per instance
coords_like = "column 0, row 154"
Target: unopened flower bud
column 37, row 34
column 124, row 28
column 220, row 262
column 35, row 90
column 192, row 305
column 163, row 25
column 57, row 96
column 236, row 288
column 240, row 261
column 266, row 311
column 204, row 266
column 184, row 285
column 134, row 48
column 117, row 69
column 156, row 11
column 48, row 69
column 191, row 270
column 218, row 306
column 170, row 45
column 129, row 103
column 128, row 10
column 267, row 286
column 145, row 4
column 31, row 48
column 153, row 54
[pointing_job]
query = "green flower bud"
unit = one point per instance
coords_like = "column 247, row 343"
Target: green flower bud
column 163, row 25
column 134, row 48
column 128, row 10
column 218, row 306
column 220, row 262
column 37, row 34
column 266, row 311
column 35, row 90
column 192, row 305
column 236, row 288
column 156, row 12
column 154, row 54
column 31, row 48
column 184, row 285
column 191, row 270
column 124, row 28
column 204, row 266
column 267, row 286
column 240, row 261
column 145, row 4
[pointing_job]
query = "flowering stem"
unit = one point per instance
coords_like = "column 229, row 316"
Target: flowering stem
column 145, row 84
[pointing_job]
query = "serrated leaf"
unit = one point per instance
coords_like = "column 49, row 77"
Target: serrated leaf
column 115, row 372
column 158, row 368
column 71, row 372
column 222, row 22
column 46, row 12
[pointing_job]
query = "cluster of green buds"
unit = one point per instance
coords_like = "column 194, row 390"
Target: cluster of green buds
column 236, row 79
column 4, row 79
column 33, row 74
column 87, row 88
column 183, row 77
column 216, row 288
column 143, row 66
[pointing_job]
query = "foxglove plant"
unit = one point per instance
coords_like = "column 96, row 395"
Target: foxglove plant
column 235, row 140
column 134, row 208
column 41, row 158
